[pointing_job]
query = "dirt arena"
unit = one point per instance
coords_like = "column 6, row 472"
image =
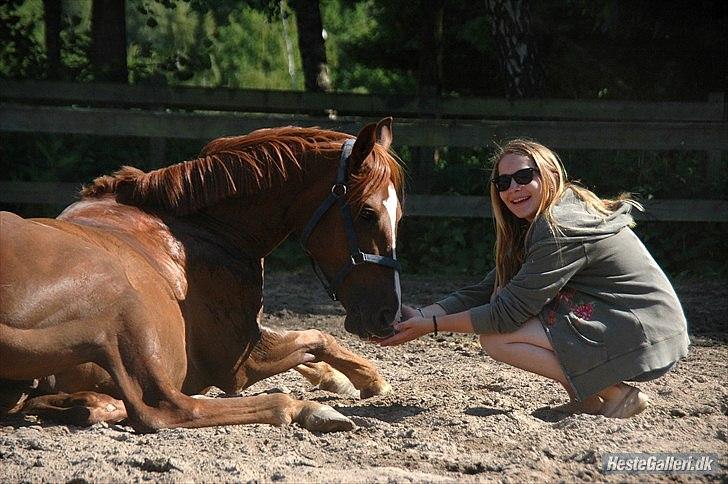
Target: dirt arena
column 454, row 415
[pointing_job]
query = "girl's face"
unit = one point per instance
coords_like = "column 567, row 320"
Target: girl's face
column 522, row 200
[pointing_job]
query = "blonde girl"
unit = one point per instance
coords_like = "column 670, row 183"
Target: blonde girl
column 574, row 295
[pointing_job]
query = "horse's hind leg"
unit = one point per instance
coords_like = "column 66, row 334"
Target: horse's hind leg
column 81, row 408
column 280, row 351
column 13, row 394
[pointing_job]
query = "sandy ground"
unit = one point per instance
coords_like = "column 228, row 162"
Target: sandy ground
column 455, row 415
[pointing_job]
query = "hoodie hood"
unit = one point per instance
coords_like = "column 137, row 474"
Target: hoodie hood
column 575, row 219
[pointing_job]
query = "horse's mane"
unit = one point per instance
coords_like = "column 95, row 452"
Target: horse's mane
column 241, row 165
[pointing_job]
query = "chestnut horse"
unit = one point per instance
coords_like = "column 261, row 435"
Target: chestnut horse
column 149, row 289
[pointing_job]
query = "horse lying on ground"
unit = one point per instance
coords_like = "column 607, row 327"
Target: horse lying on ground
column 149, row 289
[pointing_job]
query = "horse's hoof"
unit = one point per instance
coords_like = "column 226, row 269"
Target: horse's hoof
column 379, row 387
column 337, row 382
column 326, row 419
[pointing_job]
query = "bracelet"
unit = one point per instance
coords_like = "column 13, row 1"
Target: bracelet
column 434, row 323
column 421, row 313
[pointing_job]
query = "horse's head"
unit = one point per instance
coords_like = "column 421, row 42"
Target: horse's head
column 352, row 236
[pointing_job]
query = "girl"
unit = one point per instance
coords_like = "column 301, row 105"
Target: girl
column 574, row 296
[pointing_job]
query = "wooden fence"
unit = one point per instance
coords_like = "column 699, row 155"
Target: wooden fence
column 159, row 113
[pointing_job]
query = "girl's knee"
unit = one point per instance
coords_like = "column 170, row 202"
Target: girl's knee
column 492, row 345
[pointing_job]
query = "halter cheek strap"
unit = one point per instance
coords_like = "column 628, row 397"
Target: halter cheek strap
column 357, row 256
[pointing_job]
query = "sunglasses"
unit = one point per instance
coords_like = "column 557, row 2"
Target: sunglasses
column 522, row 177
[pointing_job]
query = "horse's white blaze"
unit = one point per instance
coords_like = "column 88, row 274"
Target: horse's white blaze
column 390, row 203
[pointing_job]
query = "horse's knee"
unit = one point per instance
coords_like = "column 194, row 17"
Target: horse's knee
column 316, row 342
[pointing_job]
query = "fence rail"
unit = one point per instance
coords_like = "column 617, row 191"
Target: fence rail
column 159, row 113
column 61, row 194
column 262, row 101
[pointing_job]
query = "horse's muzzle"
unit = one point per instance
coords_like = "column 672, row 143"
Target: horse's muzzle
column 378, row 326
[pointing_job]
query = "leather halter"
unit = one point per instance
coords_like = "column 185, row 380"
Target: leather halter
column 357, row 257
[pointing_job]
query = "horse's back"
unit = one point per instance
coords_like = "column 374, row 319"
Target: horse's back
column 48, row 274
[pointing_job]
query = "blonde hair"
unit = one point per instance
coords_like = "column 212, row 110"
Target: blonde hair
column 512, row 232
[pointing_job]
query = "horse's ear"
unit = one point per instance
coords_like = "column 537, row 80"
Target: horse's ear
column 363, row 146
column 384, row 132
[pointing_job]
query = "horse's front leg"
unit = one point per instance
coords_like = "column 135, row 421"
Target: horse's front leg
column 136, row 358
column 319, row 357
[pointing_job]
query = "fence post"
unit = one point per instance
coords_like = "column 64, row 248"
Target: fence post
column 713, row 167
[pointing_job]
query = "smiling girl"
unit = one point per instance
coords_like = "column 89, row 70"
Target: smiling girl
column 574, row 296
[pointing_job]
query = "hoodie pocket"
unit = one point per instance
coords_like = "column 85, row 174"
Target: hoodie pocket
column 589, row 332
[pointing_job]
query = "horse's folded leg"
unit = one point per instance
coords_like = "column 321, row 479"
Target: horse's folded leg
column 362, row 373
column 275, row 409
column 327, row 378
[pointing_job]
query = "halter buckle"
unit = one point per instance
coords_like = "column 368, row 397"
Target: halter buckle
column 358, row 258
column 339, row 189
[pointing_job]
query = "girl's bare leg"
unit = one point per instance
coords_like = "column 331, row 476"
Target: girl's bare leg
column 529, row 349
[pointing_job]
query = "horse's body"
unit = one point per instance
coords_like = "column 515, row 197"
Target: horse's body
column 150, row 288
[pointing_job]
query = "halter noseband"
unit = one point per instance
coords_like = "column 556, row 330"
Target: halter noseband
column 357, row 257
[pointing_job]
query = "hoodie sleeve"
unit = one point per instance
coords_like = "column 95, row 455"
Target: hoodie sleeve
column 548, row 266
column 471, row 296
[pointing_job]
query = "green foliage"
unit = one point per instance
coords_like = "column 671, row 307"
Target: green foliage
column 452, row 245
column 232, row 46
column 21, row 40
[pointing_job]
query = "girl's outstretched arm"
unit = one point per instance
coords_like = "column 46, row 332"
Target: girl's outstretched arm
column 418, row 326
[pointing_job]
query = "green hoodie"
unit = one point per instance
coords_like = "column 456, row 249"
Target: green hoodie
column 608, row 309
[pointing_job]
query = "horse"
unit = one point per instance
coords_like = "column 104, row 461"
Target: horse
column 149, row 289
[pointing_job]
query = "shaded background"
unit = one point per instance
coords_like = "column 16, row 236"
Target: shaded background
column 603, row 49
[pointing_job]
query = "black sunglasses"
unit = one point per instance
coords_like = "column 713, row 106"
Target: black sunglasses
column 522, row 177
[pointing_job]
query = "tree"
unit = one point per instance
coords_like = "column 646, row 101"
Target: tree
column 517, row 53
column 52, row 19
column 311, row 45
column 108, row 40
column 429, row 72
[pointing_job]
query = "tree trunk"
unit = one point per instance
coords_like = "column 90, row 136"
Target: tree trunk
column 311, row 45
column 52, row 17
column 429, row 74
column 517, row 54
column 108, row 40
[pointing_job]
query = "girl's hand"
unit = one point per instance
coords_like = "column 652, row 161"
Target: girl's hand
column 408, row 330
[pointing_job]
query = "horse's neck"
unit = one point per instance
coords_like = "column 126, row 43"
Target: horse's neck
column 256, row 224
column 253, row 226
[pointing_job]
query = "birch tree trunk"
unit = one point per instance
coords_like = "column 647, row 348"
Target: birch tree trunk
column 517, row 52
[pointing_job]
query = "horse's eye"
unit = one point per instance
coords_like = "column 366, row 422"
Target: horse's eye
column 368, row 214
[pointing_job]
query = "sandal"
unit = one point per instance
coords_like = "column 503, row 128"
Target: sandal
column 591, row 405
column 633, row 403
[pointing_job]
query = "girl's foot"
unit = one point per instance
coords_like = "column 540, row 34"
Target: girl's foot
column 591, row 405
column 623, row 401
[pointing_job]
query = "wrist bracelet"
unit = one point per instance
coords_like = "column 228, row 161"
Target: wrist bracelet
column 434, row 323
column 421, row 313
